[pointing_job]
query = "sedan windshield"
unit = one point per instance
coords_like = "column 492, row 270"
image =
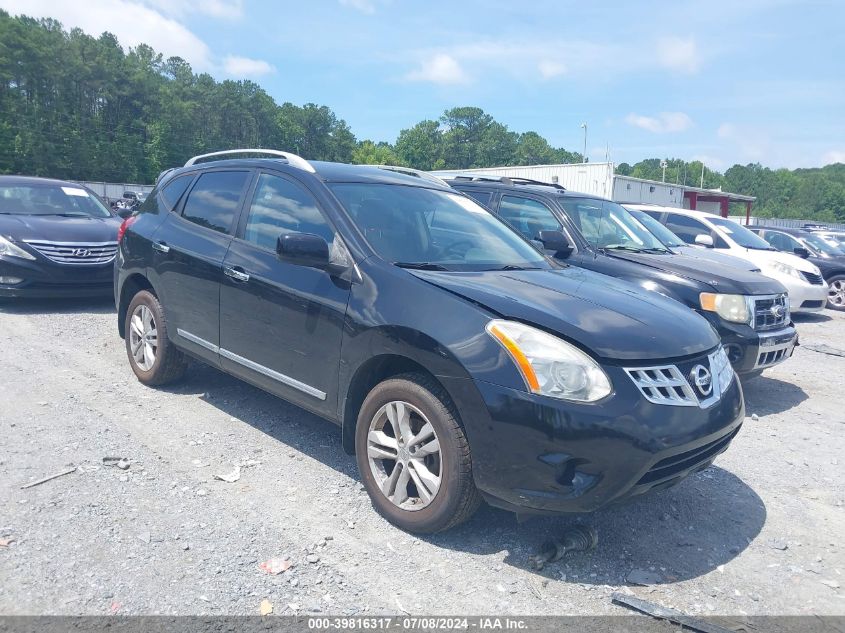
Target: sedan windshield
column 607, row 225
column 64, row 200
column 816, row 243
column 658, row 230
column 741, row 235
column 430, row 229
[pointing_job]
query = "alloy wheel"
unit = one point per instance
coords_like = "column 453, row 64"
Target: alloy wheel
column 403, row 451
column 143, row 337
column 836, row 294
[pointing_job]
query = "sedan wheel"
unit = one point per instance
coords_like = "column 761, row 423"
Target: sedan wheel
column 836, row 294
column 404, row 455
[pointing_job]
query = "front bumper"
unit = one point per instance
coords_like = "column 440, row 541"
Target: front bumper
column 752, row 350
column 533, row 454
column 43, row 278
column 807, row 298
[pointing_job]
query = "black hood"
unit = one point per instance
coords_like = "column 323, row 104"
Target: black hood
column 58, row 228
column 612, row 318
column 722, row 279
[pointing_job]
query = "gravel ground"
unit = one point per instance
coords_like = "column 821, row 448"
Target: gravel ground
column 760, row 532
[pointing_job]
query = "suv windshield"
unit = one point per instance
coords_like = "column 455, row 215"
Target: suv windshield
column 818, row 244
column 415, row 227
column 66, row 200
column 741, row 235
column 608, row 225
column 658, row 230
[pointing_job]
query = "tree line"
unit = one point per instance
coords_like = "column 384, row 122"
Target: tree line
column 80, row 107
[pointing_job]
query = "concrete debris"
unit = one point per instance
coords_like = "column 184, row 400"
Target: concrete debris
column 230, row 477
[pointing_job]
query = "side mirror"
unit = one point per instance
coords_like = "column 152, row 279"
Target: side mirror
column 801, row 252
column 558, row 242
column 305, row 249
column 704, row 240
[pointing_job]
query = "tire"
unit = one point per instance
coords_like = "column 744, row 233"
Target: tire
column 165, row 364
column 455, row 498
column 836, row 295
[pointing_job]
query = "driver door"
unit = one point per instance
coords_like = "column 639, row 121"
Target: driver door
column 281, row 323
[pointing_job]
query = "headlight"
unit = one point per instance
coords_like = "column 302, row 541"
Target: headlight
column 786, row 269
column 733, row 308
column 10, row 249
column 550, row 366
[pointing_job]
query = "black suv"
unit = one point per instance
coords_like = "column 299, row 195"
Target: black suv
column 459, row 361
column 830, row 259
column 748, row 310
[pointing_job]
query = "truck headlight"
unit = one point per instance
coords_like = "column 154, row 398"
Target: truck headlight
column 550, row 366
column 733, row 308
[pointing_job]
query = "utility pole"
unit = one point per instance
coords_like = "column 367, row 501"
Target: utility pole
column 663, row 165
column 584, row 155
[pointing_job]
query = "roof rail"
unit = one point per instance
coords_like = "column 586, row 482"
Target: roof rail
column 505, row 180
column 417, row 173
column 293, row 159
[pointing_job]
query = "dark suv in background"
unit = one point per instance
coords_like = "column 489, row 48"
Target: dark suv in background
column 459, row 361
column 748, row 310
column 812, row 247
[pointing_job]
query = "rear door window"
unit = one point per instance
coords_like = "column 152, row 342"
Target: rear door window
column 483, row 197
column 214, row 199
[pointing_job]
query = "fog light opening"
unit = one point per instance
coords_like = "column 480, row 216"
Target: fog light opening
column 734, row 352
column 10, row 281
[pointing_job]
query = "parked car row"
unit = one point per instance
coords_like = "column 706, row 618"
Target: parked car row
column 474, row 338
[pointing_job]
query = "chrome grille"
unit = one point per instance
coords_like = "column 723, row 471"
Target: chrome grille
column 816, row 280
column 76, row 252
column 771, row 312
column 667, row 384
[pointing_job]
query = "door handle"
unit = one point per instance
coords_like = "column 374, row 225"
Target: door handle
column 161, row 247
column 236, row 273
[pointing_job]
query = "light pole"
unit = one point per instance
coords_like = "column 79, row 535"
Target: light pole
column 663, row 166
column 584, row 155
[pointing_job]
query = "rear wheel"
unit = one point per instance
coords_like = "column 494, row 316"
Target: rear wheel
column 836, row 294
column 151, row 354
column 414, row 457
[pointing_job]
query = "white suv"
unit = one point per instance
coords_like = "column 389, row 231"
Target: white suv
column 803, row 280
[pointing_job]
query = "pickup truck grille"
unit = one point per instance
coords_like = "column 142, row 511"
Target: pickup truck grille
column 816, row 280
column 76, row 253
column 771, row 312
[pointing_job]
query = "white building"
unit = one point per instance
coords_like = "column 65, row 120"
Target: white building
column 600, row 179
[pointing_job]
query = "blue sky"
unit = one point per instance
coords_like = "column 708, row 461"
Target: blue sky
column 718, row 80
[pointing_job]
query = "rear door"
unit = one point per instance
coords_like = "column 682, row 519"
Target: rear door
column 281, row 323
column 189, row 249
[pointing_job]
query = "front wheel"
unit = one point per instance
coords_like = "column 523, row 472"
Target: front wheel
column 414, row 457
column 836, row 293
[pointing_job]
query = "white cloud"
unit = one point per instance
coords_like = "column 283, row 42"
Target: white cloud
column 130, row 22
column 227, row 9
column 439, row 69
column 679, row 54
column 665, row 122
column 550, row 69
column 364, row 6
column 833, row 156
column 726, row 131
column 246, row 67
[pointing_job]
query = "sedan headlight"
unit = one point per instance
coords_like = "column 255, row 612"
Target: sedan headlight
column 551, row 366
column 733, row 308
column 786, row 269
column 12, row 250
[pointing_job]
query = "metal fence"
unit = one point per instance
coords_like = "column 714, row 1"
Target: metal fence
column 112, row 191
column 783, row 223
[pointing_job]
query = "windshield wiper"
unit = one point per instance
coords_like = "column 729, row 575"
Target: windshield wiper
column 420, row 265
column 515, row 267
column 623, row 247
column 655, row 250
